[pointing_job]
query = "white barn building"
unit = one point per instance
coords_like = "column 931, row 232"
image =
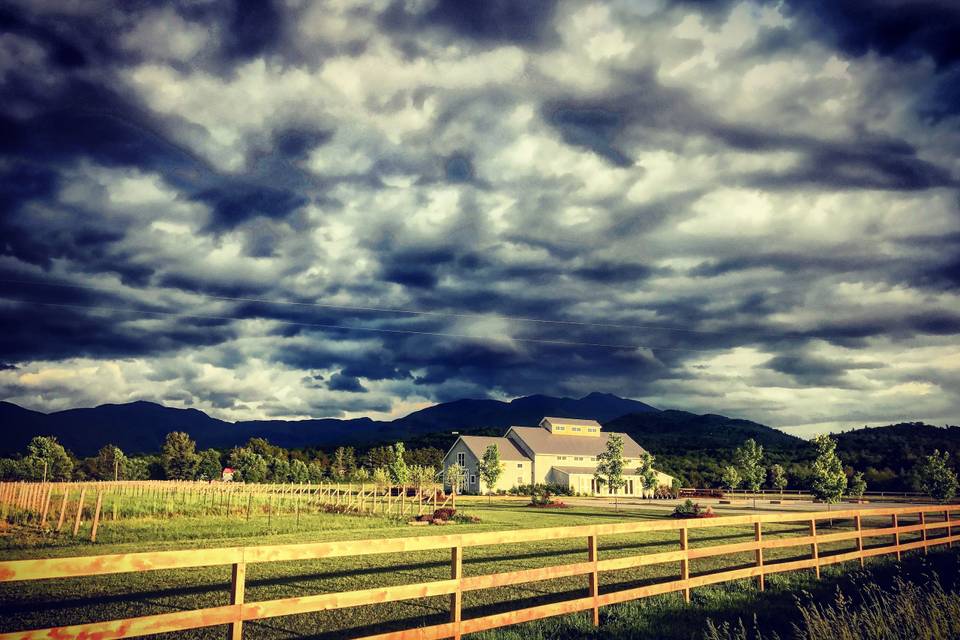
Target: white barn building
column 558, row 451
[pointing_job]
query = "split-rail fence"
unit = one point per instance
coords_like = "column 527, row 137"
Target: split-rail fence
column 934, row 526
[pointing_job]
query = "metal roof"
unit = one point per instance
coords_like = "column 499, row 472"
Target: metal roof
column 541, row 441
column 508, row 451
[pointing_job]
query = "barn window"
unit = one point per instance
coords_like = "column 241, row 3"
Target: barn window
column 473, row 479
column 460, row 459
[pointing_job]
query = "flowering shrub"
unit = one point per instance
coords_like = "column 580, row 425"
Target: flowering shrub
column 691, row 509
column 444, row 513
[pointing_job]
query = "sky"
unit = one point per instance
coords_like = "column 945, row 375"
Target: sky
column 305, row 209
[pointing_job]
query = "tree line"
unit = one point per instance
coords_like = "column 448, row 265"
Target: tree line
column 829, row 478
column 256, row 461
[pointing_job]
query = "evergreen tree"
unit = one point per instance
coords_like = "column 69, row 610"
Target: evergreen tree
column 180, row 456
column 829, row 481
column 610, row 464
column 936, row 477
column 490, row 467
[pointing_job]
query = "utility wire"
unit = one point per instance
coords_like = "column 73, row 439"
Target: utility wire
column 319, row 325
column 449, row 314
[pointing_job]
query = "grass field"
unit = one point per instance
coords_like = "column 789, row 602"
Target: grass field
column 48, row 603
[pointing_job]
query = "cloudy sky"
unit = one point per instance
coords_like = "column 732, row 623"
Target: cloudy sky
column 361, row 208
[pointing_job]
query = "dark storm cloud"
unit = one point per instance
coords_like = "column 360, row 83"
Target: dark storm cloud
column 256, row 154
column 340, row 382
column 491, row 22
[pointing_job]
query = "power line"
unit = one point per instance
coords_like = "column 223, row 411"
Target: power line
column 571, row 343
column 449, row 314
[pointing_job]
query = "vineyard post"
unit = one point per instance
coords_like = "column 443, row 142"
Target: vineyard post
column 63, row 508
column 96, row 517
column 76, row 522
column 249, row 500
column 46, row 507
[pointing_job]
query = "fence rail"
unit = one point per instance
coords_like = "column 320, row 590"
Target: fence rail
column 239, row 611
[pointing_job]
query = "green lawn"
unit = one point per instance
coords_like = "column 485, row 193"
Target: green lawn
column 48, row 603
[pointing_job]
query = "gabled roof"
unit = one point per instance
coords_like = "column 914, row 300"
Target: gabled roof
column 541, row 441
column 574, row 421
column 478, row 444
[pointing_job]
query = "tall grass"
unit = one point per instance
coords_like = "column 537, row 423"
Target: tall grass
column 907, row 611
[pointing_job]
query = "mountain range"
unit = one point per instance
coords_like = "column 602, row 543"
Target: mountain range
column 140, row 427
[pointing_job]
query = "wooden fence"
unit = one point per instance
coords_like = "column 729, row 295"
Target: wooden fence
column 48, row 505
column 931, row 520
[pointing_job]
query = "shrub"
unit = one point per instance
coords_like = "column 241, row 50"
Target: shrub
column 691, row 509
column 444, row 513
column 463, row 518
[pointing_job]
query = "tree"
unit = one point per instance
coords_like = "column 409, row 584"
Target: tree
column 490, row 467
column 749, row 460
column 937, row 479
column 778, row 478
column 109, row 464
column 857, row 486
column 829, row 481
column 138, row 468
column 361, row 475
column 648, row 477
column 179, row 456
column 399, row 473
column 422, row 476
column 610, row 465
column 379, row 457
column 278, row 470
column 209, row 467
column 730, row 477
column 343, row 464
column 46, row 451
column 299, row 473
column 315, row 468
column 381, row 477
column 455, row 476
column 251, row 467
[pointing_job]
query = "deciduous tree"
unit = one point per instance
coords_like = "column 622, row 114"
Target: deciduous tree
column 610, row 464
column 180, row 456
column 937, row 479
column 490, row 467
column 829, row 481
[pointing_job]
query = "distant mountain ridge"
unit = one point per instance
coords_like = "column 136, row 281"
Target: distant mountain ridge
column 140, row 427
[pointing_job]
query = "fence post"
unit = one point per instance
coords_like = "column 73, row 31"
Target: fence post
column 685, row 563
column 238, row 579
column 758, row 536
column 76, row 522
column 946, row 518
column 859, row 524
column 593, row 556
column 456, row 598
column 896, row 534
column 923, row 531
column 814, row 548
column 96, row 517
